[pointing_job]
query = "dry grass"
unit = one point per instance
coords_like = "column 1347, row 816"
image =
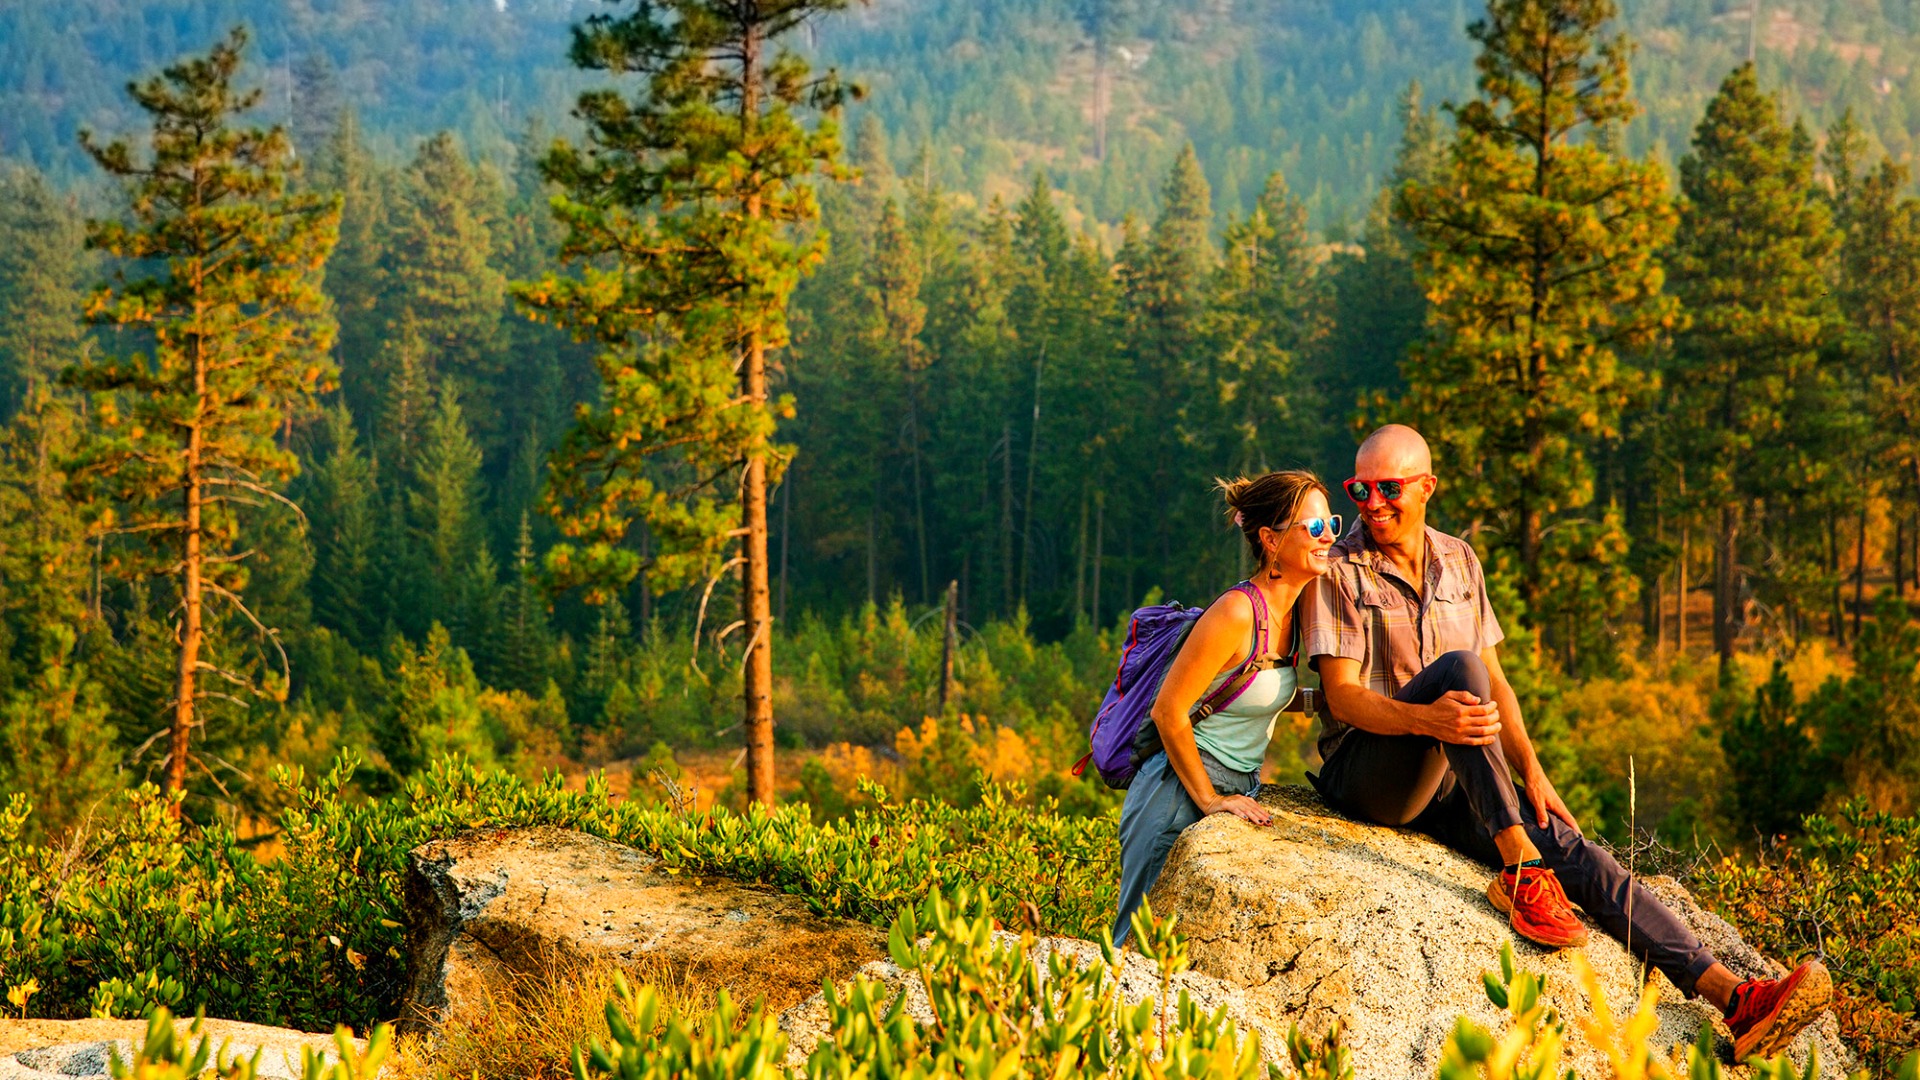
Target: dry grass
column 529, row 1032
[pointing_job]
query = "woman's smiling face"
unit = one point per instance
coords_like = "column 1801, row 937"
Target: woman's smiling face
column 1294, row 552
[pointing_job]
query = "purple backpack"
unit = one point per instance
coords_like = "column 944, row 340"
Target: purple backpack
column 1124, row 736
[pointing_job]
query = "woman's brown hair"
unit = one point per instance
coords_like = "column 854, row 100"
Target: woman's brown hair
column 1266, row 501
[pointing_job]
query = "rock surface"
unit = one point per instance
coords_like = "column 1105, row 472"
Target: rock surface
column 489, row 908
column 807, row 1023
column 80, row 1049
column 1321, row 917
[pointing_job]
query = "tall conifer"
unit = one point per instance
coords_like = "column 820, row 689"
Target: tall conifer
column 342, row 507
column 40, row 290
column 1879, row 293
column 690, row 189
column 1749, row 265
column 439, row 269
column 1539, row 243
column 240, row 336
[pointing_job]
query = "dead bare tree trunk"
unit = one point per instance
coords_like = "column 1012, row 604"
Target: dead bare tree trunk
column 947, row 644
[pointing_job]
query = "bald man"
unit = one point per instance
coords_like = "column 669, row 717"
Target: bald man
column 1423, row 730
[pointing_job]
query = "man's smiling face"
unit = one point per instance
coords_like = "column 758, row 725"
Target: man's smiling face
column 1395, row 452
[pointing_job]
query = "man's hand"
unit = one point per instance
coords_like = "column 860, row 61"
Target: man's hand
column 1545, row 800
column 1242, row 807
column 1460, row 718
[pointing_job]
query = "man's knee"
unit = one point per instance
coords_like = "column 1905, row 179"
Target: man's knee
column 1464, row 670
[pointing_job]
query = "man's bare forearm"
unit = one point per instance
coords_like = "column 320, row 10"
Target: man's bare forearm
column 1369, row 710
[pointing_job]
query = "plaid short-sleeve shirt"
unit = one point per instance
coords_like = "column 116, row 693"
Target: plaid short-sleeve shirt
column 1362, row 609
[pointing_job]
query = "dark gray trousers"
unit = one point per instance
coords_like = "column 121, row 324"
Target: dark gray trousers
column 1463, row 795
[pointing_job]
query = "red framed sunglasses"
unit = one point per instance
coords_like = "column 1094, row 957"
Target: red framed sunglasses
column 1362, row 490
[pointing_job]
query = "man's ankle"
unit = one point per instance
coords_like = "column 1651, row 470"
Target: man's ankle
column 1514, row 846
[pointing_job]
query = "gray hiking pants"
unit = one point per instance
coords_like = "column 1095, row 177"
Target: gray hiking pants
column 1156, row 811
column 1463, row 795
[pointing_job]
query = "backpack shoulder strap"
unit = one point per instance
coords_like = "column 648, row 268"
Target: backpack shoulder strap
column 1262, row 638
column 1250, row 668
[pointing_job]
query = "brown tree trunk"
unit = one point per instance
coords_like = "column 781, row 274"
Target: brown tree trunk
column 1006, row 517
column 1033, row 458
column 1680, row 592
column 1836, row 618
column 758, row 663
column 1099, row 540
column 1080, row 563
column 1860, row 573
column 1724, row 578
column 919, row 498
column 1899, row 556
column 191, row 589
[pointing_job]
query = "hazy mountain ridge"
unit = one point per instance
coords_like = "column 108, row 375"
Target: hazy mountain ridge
column 996, row 87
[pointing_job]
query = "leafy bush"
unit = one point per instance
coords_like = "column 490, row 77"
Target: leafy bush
column 163, row 1055
column 1849, row 889
column 994, row 1012
column 149, row 913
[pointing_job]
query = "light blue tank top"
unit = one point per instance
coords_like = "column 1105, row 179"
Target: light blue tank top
column 1237, row 735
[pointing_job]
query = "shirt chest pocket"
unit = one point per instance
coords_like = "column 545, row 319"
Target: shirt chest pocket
column 1452, row 620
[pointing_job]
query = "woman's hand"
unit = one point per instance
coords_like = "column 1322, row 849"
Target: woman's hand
column 1241, row 807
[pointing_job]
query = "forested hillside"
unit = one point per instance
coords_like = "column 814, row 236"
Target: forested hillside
column 995, row 87
column 468, row 426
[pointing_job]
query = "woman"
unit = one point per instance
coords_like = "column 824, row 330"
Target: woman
column 1212, row 765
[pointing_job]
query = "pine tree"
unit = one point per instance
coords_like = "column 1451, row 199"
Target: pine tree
column 40, row 292
column 1266, row 313
column 1538, row 256
column 1039, row 231
column 1879, row 294
column 356, row 272
column 342, row 505
column 439, row 273
column 1749, row 266
column 1166, row 277
column 240, row 338
column 56, row 745
column 525, row 643
column 406, row 400
column 899, row 315
column 692, row 188
column 1103, row 20
column 1380, row 310
column 46, row 560
column 444, row 520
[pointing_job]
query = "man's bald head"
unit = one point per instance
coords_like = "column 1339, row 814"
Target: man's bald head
column 1395, row 450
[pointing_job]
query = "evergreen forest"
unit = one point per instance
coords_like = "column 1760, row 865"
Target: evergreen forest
column 390, row 390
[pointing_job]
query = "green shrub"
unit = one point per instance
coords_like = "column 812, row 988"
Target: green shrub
column 163, row 1055
column 1849, row 889
column 994, row 1014
column 150, row 913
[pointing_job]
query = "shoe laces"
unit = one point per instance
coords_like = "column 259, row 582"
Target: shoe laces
column 1530, row 883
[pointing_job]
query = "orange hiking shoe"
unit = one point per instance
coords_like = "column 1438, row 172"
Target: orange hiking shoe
column 1537, row 907
column 1767, row 1013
